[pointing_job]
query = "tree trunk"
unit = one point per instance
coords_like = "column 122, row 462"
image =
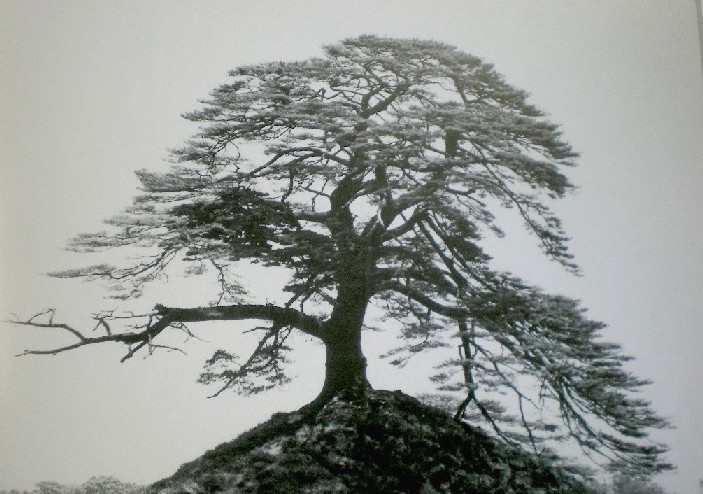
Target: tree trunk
column 345, row 366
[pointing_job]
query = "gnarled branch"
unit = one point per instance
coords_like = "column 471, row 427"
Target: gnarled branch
column 165, row 317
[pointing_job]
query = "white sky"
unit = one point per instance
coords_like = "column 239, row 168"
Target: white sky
column 91, row 91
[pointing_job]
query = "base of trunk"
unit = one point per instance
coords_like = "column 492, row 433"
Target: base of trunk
column 344, row 373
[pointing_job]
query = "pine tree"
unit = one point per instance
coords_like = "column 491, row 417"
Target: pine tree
column 372, row 175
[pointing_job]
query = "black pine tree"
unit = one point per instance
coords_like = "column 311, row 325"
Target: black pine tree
column 372, row 175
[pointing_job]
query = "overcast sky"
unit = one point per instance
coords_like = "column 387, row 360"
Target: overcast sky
column 92, row 91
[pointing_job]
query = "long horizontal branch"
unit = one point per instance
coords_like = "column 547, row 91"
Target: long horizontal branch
column 140, row 338
column 284, row 316
column 165, row 317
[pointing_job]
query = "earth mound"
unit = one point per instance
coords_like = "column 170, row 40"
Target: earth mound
column 376, row 442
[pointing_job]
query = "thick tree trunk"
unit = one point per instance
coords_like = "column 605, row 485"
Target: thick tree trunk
column 345, row 366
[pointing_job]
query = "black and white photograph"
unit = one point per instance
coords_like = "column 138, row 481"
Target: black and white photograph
column 391, row 246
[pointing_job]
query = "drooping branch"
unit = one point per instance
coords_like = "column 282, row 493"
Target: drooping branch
column 427, row 301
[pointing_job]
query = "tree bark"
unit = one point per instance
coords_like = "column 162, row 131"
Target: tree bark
column 345, row 365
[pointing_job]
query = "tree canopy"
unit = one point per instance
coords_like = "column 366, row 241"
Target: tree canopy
column 373, row 175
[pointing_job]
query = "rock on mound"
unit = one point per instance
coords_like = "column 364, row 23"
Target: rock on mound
column 379, row 442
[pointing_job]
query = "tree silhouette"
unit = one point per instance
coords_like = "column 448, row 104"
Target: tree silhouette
column 372, row 175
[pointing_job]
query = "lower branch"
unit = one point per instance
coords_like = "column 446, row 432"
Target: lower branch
column 281, row 316
column 165, row 317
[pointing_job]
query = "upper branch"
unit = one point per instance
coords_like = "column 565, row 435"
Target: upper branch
column 384, row 103
column 426, row 300
column 311, row 151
